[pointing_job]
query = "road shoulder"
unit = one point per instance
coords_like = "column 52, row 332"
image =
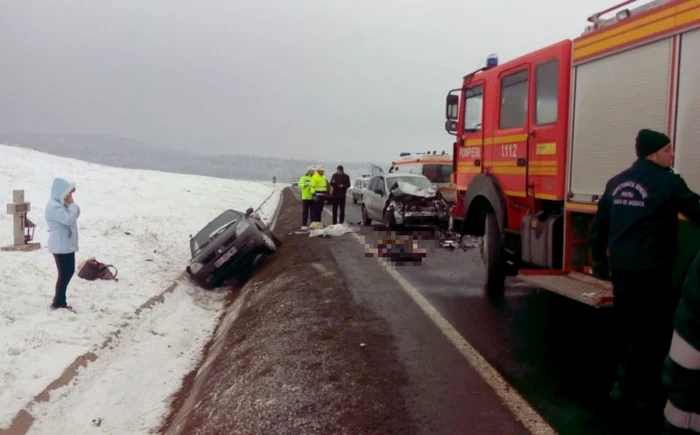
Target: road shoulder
column 301, row 355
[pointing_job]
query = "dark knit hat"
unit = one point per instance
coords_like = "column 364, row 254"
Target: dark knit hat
column 649, row 142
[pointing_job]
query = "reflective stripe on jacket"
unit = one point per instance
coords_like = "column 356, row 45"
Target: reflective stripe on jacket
column 305, row 187
column 681, row 372
column 319, row 185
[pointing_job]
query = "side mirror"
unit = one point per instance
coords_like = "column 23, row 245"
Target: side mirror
column 249, row 211
column 451, row 106
column 379, row 192
column 451, row 126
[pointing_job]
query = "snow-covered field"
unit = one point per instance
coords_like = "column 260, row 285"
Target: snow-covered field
column 139, row 221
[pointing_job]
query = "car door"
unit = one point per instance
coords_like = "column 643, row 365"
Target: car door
column 370, row 198
column 378, row 199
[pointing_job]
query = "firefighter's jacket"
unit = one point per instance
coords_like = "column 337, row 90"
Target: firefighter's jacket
column 305, row 187
column 637, row 218
column 319, row 185
column 681, row 372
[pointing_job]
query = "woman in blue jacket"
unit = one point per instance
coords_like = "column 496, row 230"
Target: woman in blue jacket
column 62, row 219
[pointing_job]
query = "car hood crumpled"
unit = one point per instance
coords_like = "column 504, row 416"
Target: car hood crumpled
column 404, row 189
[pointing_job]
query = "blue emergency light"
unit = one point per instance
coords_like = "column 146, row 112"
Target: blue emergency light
column 491, row 61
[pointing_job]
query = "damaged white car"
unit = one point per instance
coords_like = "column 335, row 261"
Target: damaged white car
column 403, row 200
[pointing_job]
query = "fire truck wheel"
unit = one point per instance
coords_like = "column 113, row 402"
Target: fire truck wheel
column 492, row 256
column 365, row 219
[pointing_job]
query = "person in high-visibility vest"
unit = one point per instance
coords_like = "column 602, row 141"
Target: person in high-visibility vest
column 319, row 190
column 307, row 198
column 681, row 372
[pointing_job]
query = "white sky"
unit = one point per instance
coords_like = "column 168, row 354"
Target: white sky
column 332, row 79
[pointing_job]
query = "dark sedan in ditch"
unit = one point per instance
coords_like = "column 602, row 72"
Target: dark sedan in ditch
column 229, row 246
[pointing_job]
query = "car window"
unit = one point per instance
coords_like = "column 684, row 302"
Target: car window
column 410, row 168
column 373, row 183
column 208, row 232
column 381, row 185
column 437, row 173
column 364, row 183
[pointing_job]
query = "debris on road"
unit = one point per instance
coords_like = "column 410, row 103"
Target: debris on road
column 398, row 249
column 451, row 240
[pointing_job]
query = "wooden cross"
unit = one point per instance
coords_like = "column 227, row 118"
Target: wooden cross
column 19, row 209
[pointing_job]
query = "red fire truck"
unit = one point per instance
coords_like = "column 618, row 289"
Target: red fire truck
column 538, row 137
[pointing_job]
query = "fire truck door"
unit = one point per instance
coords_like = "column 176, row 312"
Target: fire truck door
column 511, row 139
column 471, row 154
column 547, row 133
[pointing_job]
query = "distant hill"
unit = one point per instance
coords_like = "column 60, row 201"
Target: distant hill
column 127, row 153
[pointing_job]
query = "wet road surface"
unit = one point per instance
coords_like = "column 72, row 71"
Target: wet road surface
column 554, row 351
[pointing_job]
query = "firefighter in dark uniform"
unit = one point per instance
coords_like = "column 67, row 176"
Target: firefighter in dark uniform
column 634, row 243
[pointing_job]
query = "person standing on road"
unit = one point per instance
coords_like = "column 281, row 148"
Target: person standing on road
column 637, row 223
column 319, row 190
column 62, row 219
column 340, row 182
column 681, row 373
column 307, row 198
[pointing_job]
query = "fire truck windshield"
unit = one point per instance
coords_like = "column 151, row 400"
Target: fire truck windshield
column 437, row 173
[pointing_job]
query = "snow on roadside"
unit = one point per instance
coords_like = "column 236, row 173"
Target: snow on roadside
column 137, row 220
column 125, row 390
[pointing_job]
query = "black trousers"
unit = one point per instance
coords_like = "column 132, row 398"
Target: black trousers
column 65, row 265
column 306, row 211
column 644, row 304
column 338, row 205
column 317, row 211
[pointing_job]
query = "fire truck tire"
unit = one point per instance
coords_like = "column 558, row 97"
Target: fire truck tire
column 365, row 219
column 492, row 255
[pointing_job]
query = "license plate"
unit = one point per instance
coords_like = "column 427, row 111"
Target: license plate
column 419, row 214
column 226, row 257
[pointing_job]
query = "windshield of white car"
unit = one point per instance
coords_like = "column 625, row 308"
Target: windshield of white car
column 218, row 225
column 420, row 182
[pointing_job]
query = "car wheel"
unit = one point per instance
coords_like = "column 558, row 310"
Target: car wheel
column 268, row 242
column 212, row 282
column 365, row 219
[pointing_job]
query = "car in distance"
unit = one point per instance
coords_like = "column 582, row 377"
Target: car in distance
column 229, row 246
column 357, row 188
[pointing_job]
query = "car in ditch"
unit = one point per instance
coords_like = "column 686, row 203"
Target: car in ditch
column 404, row 200
column 230, row 245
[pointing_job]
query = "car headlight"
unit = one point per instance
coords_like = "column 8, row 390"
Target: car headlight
column 397, row 206
column 196, row 267
column 241, row 228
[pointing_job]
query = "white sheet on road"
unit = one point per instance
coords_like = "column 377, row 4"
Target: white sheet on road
column 332, row 231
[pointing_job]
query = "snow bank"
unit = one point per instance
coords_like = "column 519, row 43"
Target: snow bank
column 137, row 220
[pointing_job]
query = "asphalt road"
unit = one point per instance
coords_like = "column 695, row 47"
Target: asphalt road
column 555, row 352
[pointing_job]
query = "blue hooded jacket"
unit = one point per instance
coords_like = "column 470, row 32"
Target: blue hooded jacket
column 62, row 219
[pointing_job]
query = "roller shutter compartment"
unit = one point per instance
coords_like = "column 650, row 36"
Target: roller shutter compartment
column 616, row 96
column 688, row 114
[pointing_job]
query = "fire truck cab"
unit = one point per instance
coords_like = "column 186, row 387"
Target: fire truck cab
column 436, row 167
column 538, row 137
